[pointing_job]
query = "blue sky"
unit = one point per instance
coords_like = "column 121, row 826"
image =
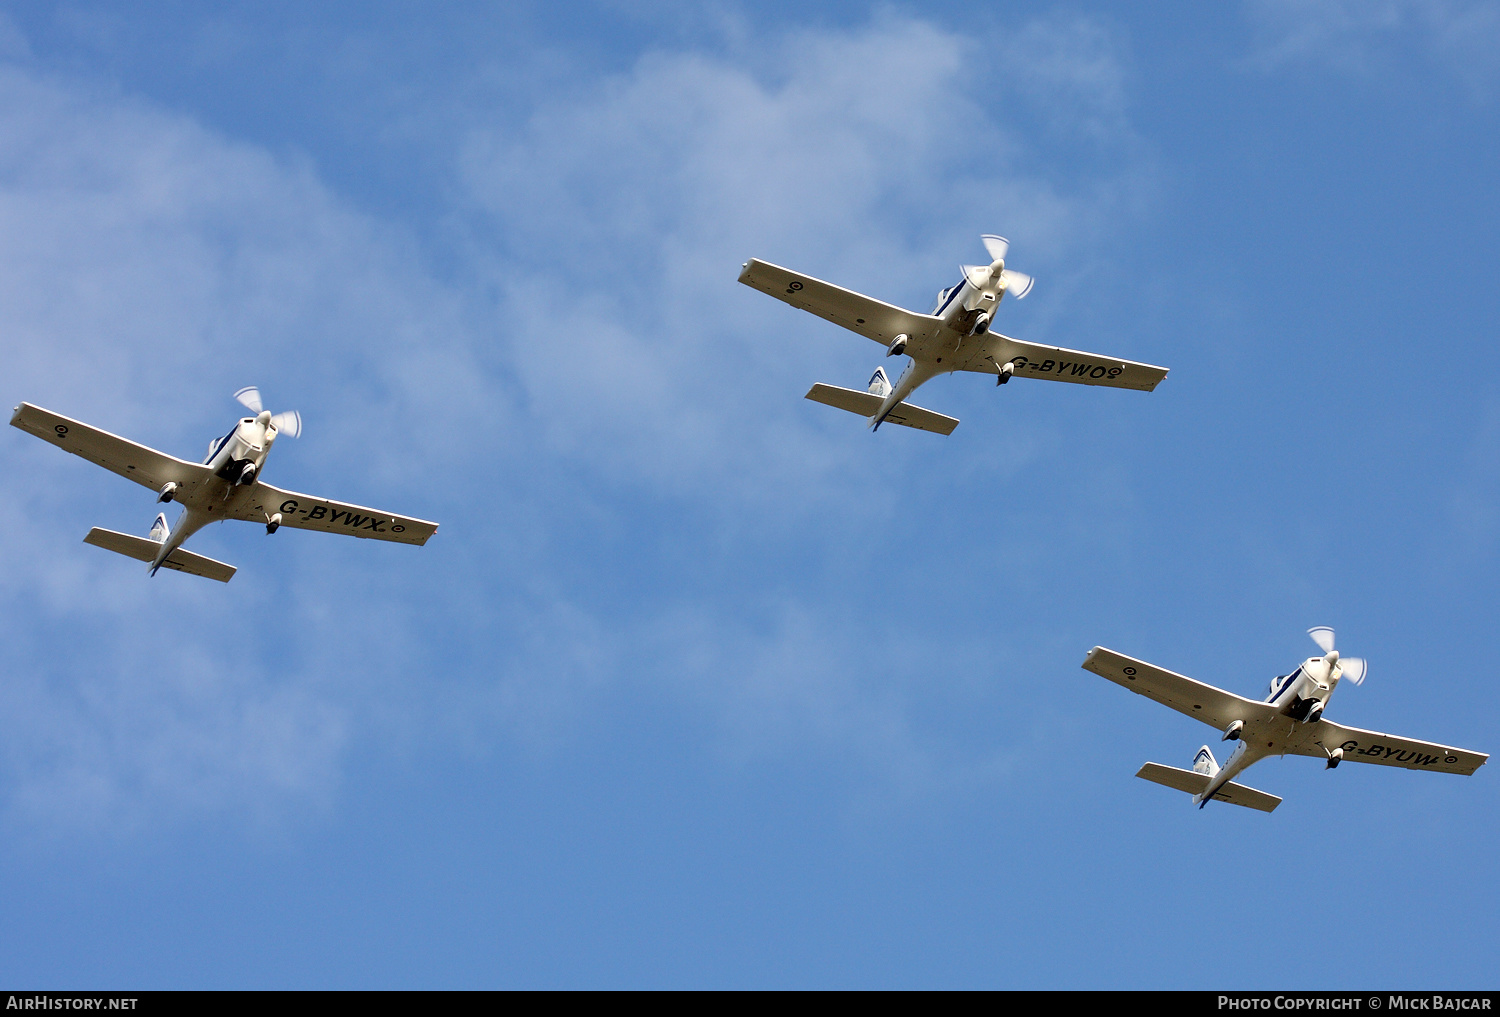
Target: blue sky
column 701, row 684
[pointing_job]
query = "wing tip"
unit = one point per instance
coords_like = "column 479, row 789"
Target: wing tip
column 1091, row 661
column 748, row 267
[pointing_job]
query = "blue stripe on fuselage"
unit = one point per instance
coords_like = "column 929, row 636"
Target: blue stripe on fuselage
column 951, row 297
column 220, row 444
column 1290, row 681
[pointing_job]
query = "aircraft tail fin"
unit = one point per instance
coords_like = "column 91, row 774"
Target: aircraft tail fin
column 1195, row 781
column 1205, row 763
column 867, row 404
column 160, row 530
column 146, row 548
column 880, row 385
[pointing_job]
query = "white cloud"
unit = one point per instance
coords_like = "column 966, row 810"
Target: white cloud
column 872, row 157
column 149, row 267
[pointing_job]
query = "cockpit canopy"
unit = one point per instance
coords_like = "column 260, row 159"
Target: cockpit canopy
column 1279, row 681
column 943, row 295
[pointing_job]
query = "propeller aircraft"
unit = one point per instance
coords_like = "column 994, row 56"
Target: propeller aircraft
column 1288, row 720
column 225, row 485
column 955, row 336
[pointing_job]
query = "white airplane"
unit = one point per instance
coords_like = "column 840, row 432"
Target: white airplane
column 1289, row 719
column 226, row 485
column 956, row 336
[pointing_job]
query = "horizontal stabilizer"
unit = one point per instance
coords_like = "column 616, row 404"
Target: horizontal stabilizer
column 142, row 549
column 1194, row 783
column 867, row 404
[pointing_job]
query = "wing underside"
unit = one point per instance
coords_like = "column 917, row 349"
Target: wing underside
column 1054, row 363
column 1387, row 750
column 882, row 322
column 871, row 318
column 306, row 512
column 1215, row 707
column 145, row 466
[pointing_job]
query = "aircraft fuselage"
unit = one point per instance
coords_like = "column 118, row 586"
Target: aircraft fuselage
column 958, row 345
column 236, row 460
column 1300, row 697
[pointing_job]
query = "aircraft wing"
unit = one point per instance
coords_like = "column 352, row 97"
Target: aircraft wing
column 871, row 318
column 1214, row 707
column 305, row 512
column 1388, row 750
column 145, row 466
column 1054, row 363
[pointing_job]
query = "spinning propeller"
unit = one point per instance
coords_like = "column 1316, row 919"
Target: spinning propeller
column 1354, row 667
column 995, row 277
column 288, row 423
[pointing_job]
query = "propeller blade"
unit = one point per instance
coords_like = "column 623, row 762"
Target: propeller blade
column 997, row 246
column 249, row 396
column 1323, row 636
column 978, row 275
column 1355, row 669
column 288, row 423
column 1017, row 284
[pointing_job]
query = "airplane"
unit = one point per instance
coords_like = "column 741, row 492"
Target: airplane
column 226, row 485
column 1288, row 720
column 955, row 336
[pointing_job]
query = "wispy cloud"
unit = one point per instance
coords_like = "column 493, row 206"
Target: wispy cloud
column 593, row 371
column 1461, row 37
column 872, row 157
